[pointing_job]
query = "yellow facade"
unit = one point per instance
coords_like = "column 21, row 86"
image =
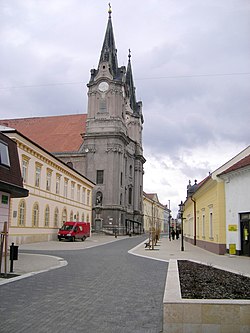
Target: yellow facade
column 204, row 216
column 57, row 194
column 153, row 212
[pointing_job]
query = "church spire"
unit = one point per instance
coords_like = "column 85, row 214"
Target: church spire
column 130, row 84
column 109, row 52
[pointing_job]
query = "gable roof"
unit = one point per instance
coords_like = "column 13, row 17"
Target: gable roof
column 151, row 196
column 240, row 164
column 63, row 133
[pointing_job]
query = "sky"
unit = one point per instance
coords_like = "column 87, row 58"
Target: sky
column 191, row 69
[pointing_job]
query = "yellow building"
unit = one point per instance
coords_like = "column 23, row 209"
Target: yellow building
column 57, row 193
column 153, row 212
column 204, row 215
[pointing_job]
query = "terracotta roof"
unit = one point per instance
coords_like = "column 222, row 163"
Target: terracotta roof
column 56, row 134
column 240, row 164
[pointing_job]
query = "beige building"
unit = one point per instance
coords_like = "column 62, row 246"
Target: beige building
column 154, row 212
column 57, row 193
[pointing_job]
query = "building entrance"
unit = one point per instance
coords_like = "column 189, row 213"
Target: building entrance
column 245, row 234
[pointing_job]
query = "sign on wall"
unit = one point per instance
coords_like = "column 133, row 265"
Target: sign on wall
column 232, row 227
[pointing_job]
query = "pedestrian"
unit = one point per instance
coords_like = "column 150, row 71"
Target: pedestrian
column 173, row 234
column 177, row 234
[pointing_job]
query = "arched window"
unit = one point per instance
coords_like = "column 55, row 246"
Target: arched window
column 56, row 217
column 64, row 215
column 21, row 213
column 71, row 216
column 46, row 216
column 77, row 217
column 82, row 217
column 130, row 170
column 35, row 215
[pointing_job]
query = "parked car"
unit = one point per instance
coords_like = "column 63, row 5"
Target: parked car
column 74, row 230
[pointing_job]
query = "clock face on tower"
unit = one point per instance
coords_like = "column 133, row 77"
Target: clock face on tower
column 103, row 86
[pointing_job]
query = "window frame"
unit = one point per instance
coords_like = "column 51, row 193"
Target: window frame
column 4, row 154
column 99, row 177
column 35, row 215
column 46, row 216
column 38, row 173
column 21, row 220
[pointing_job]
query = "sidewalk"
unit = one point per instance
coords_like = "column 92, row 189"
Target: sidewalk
column 166, row 250
column 30, row 264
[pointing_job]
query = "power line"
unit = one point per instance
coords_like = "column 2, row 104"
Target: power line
column 41, row 85
column 137, row 79
column 190, row 76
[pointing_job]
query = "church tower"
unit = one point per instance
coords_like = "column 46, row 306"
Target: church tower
column 112, row 147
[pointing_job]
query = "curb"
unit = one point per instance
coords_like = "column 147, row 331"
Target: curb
column 61, row 263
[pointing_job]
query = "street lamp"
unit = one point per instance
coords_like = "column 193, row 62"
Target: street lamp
column 181, row 210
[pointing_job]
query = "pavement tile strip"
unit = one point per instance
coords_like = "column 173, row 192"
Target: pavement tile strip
column 31, row 264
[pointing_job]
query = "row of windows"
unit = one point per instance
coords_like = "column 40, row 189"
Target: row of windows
column 82, row 194
column 202, row 224
column 100, row 176
column 51, row 218
column 100, row 180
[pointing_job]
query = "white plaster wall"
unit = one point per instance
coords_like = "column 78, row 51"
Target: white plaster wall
column 237, row 190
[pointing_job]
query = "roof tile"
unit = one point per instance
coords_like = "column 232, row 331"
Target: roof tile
column 240, row 164
column 54, row 133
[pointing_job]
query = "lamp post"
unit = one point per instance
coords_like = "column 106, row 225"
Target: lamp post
column 181, row 210
column 169, row 216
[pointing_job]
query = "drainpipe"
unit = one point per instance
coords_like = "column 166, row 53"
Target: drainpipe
column 194, row 219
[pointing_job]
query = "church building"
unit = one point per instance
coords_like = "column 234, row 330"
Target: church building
column 105, row 145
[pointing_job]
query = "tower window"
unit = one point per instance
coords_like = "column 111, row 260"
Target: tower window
column 99, row 176
column 103, row 105
column 130, row 196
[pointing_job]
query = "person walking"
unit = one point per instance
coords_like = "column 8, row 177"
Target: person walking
column 173, row 234
column 177, row 234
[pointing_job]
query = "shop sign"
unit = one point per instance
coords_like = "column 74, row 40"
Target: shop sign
column 232, row 227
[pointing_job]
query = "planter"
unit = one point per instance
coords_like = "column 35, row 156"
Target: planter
column 201, row 315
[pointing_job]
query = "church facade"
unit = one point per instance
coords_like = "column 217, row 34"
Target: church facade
column 112, row 154
column 107, row 147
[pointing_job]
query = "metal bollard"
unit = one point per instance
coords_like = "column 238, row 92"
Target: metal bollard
column 13, row 255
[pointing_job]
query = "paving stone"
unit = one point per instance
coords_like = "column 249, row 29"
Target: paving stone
column 102, row 289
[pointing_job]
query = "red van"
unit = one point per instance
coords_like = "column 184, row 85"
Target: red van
column 74, row 230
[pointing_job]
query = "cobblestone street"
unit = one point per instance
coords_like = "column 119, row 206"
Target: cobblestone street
column 102, row 289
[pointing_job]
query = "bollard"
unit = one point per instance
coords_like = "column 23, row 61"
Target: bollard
column 13, row 255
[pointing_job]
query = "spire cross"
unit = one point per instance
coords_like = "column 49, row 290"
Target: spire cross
column 129, row 54
column 110, row 10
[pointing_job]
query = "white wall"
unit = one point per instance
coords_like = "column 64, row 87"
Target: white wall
column 237, row 188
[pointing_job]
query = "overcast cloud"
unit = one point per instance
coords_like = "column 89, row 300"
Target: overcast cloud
column 191, row 65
